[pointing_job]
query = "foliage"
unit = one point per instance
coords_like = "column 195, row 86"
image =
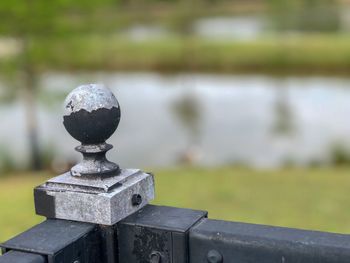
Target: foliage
column 62, row 17
column 327, row 54
column 305, row 15
column 41, row 17
column 339, row 155
column 7, row 162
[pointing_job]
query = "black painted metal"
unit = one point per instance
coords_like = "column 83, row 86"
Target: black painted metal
column 156, row 234
column 44, row 203
column 60, row 241
column 92, row 127
column 249, row 243
column 109, row 244
column 159, row 234
column 21, row 257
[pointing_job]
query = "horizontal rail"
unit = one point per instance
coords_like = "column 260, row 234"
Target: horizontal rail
column 21, row 257
column 220, row 241
column 59, row 241
column 173, row 235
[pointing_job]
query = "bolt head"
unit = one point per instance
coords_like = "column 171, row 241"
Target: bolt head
column 155, row 257
column 92, row 113
column 214, row 256
column 136, row 199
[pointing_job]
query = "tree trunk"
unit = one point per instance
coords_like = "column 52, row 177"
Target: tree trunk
column 29, row 99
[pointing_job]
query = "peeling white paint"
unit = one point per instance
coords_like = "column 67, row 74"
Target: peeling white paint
column 90, row 97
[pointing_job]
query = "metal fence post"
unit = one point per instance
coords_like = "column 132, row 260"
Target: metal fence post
column 96, row 192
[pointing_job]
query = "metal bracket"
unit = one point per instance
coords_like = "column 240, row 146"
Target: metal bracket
column 156, row 234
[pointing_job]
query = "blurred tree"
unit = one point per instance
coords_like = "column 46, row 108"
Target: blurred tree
column 340, row 154
column 283, row 124
column 29, row 22
column 305, row 15
column 188, row 111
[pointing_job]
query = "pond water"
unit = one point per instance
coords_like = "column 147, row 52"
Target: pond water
column 239, row 118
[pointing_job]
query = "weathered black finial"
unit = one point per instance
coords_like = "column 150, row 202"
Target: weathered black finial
column 95, row 190
column 92, row 115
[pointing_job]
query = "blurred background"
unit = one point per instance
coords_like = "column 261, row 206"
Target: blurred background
column 240, row 107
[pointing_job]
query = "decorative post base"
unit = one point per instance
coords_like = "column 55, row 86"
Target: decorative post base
column 94, row 161
column 96, row 200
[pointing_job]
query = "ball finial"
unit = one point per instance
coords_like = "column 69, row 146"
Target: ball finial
column 92, row 115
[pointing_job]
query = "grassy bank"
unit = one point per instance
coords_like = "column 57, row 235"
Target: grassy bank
column 326, row 54
column 312, row 199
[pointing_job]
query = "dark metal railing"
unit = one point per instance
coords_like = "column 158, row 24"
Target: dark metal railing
column 160, row 234
column 21, row 257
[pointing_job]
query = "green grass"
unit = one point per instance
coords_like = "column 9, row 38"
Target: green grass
column 304, row 198
column 326, row 54
column 17, row 205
